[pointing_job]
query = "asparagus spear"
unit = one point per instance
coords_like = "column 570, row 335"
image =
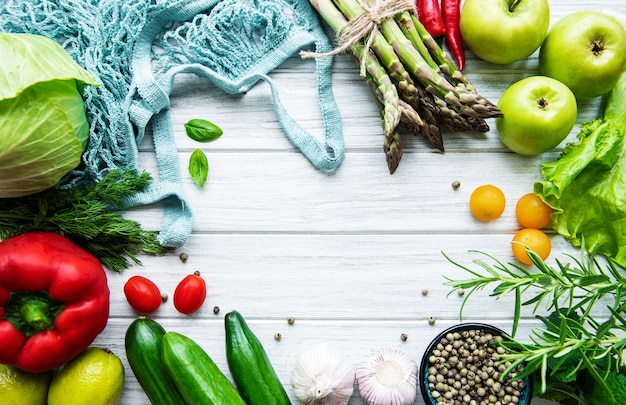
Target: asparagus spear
column 378, row 79
column 392, row 145
column 412, row 78
column 413, row 24
column 416, row 31
column 427, row 109
column 468, row 102
column 411, row 93
column 393, row 150
column 432, row 109
column 414, row 102
column 383, row 88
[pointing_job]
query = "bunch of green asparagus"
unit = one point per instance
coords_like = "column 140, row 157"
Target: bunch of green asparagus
column 415, row 83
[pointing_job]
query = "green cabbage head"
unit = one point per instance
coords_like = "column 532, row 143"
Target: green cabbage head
column 43, row 126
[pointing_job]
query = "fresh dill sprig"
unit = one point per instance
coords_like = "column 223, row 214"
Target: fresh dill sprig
column 89, row 217
column 573, row 345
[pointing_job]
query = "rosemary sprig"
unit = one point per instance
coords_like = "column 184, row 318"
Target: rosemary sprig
column 573, row 345
column 88, row 217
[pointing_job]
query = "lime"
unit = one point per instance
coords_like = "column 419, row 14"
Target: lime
column 95, row 377
column 21, row 387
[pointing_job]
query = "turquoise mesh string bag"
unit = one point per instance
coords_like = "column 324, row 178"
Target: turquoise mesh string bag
column 137, row 47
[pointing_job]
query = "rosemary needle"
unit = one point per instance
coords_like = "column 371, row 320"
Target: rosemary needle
column 574, row 352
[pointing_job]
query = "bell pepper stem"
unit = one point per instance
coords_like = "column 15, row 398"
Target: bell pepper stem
column 36, row 313
column 32, row 311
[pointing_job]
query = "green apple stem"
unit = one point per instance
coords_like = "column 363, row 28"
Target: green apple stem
column 513, row 4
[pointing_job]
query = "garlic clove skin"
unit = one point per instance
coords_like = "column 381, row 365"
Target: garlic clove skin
column 322, row 376
column 387, row 377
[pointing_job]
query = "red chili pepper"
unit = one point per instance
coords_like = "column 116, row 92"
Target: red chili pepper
column 429, row 14
column 451, row 10
column 54, row 300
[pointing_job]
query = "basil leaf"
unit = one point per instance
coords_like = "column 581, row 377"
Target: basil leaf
column 198, row 167
column 202, row 130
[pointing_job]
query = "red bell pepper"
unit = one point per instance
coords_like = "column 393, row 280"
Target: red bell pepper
column 54, row 300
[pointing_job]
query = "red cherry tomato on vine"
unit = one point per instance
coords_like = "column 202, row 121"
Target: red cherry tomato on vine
column 190, row 293
column 142, row 294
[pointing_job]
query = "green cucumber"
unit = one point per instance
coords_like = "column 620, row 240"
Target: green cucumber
column 143, row 342
column 194, row 373
column 250, row 366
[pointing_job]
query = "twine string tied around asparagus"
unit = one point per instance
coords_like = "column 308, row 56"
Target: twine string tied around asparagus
column 364, row 25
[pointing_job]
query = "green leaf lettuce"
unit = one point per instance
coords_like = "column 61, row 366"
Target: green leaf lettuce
column 586, row 186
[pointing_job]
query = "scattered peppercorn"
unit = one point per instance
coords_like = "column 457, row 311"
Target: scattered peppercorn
column 464, row 368
column 277, row 336
column 456, row 184
column 424, row 291
column 461, row 292
column 403, row 337
column 183, row 257
column 431, row 320
column 216, row 310
column 164, row 297
column 291, row 320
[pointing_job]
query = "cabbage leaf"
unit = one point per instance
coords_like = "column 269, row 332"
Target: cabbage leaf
column 27, row 59
column 586, row 186
column 43, row 126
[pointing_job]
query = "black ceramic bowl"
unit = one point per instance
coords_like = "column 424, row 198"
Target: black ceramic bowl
column 525, row 393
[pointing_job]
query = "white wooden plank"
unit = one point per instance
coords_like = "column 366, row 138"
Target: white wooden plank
column 256, row 127
column 316, row 277
column 283, row 192
column 346, row 254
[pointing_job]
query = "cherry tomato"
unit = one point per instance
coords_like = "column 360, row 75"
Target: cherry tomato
column 535, row 240
column 487, row 202
column 532, row 212
column 190, row 293
column 142, row 294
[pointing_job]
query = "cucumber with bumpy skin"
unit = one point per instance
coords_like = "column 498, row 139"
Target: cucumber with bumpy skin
column 250, row 366
column 194, row 373
column 143, row 350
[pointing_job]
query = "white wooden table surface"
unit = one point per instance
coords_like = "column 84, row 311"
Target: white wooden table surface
column 347, row 254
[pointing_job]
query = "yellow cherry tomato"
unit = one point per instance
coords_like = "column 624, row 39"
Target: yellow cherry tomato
column 487, row 202
column 536, row 240
column 532, row 212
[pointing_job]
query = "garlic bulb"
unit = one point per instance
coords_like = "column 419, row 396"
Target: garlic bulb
column 387, row 377
column 322, row 376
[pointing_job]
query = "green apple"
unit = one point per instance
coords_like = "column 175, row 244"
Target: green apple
column 504, row 31
column 585, row 50
column 538, row 114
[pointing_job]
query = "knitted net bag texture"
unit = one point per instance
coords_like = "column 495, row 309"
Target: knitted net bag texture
column 136, row 47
